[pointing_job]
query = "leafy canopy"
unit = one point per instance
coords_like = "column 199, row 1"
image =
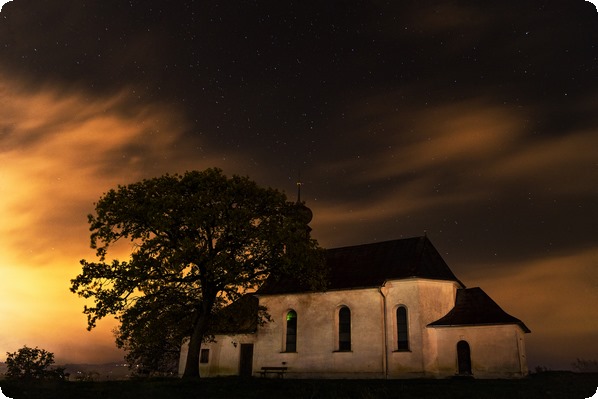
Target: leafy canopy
column 200, row 241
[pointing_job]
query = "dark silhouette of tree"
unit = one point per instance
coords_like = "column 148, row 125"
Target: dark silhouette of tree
column 31, row 364
column 200, row 241
column 150, row 334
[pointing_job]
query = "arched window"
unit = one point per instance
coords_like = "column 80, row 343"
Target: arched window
column 402, row 329
column 291, row 342
column 344, row 329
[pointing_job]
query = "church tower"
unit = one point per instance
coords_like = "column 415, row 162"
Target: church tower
column 303, row 213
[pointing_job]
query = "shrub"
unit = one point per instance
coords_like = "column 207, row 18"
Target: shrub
column 585, row 366
column 32, row 364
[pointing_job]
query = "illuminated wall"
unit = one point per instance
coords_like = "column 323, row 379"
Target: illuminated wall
column 377, row 348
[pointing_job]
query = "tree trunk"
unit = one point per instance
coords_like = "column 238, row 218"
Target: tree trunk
column 192, row 364
column 199, row 330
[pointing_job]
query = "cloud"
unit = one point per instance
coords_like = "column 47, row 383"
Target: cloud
column 541, row 292
column 60, row 150
column 551, row 162
column 474, row 174
column 414, row 161
column 463, row 139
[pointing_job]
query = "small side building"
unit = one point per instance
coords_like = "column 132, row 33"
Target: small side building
column 392, row 310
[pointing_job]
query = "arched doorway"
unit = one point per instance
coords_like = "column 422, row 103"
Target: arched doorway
column 464, row 358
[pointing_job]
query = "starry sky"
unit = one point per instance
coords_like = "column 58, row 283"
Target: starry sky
column 473, row 123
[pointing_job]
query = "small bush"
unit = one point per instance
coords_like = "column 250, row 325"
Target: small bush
column 31, row 364
column 585, row 366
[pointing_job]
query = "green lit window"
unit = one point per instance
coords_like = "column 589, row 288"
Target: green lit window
column 291, row 341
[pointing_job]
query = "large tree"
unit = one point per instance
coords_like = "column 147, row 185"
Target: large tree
column 200, row 241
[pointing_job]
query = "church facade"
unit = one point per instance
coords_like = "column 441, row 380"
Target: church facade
column 392, row 310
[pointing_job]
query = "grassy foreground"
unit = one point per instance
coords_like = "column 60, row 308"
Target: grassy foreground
column 564, row 385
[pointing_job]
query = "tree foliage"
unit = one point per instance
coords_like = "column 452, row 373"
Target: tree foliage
column 150, row 332
column 201, row 240
column 31, row 364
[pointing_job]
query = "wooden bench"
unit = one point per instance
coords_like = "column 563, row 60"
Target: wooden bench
column 273, row 370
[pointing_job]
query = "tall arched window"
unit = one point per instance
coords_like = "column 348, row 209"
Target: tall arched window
column 344, row 329
column 402, row 329
column 291, row 342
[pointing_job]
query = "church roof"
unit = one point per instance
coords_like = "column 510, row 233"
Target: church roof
column 370, row 265
column 240, row 317
column 473, row 307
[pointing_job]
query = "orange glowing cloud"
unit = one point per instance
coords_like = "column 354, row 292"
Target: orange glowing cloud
column 468, row 148
column 60, row 151
column 551, row 163
column 540, row 291
column 454, row 141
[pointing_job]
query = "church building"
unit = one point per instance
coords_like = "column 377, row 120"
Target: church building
column 392, row 309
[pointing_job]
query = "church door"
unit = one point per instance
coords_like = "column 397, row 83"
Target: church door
column 464, row 358
column 246, row 362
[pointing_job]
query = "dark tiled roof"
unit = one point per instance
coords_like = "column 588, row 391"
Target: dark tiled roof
column 370, row 265
column 240, row 317
column 473, row 307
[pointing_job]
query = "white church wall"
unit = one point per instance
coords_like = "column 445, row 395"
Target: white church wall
column 224, row 355
column 317, row 353
column 425, row 301
column 497, row 351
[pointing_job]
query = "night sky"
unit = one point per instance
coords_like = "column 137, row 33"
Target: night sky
column 473, row 123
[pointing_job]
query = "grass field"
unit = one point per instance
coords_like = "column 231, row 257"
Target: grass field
column 564, row 385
